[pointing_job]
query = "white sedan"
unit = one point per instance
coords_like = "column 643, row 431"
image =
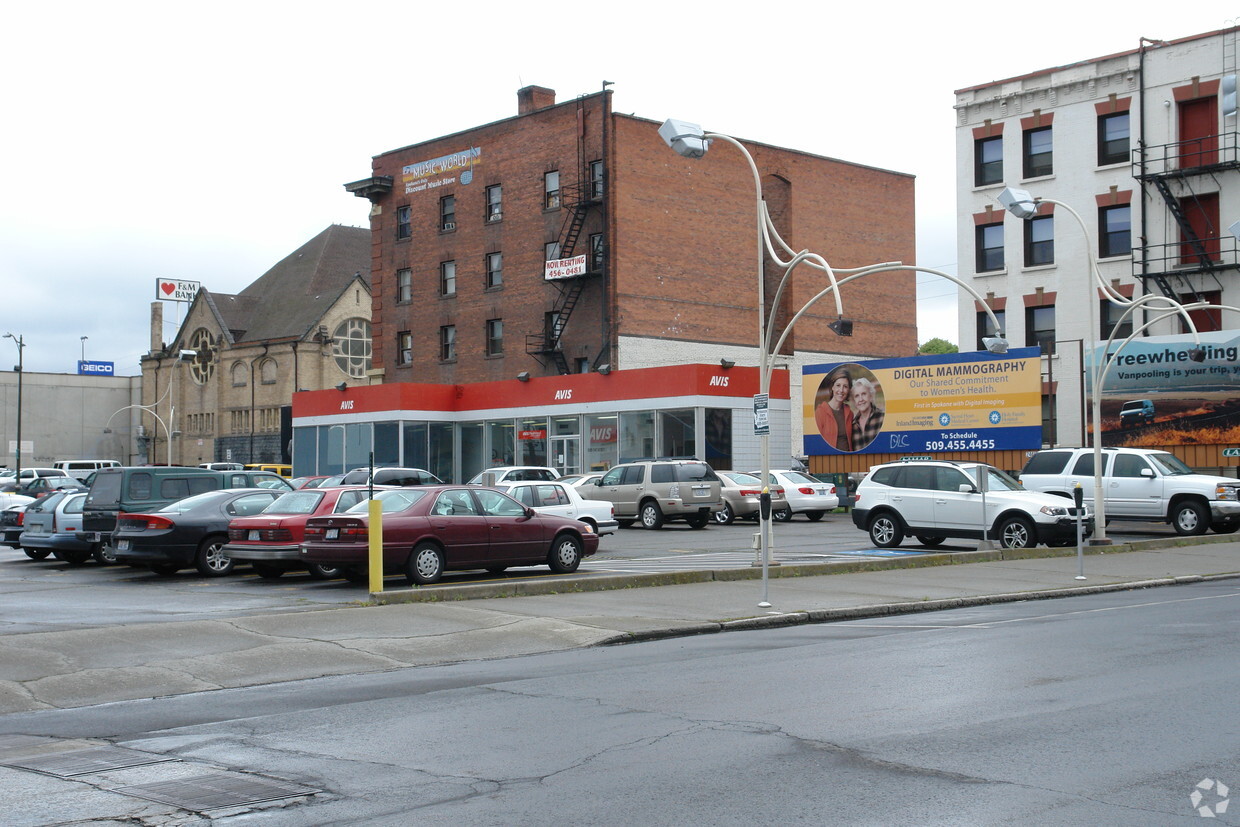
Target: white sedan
column 805, row 495
column 563, row 501
column 8, row 498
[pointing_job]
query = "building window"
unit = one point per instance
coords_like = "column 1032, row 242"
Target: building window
column 495, row 270
column 1113, row 136
column 596, row 179
column 495, row 337
column 1048, row 419
column 596, row 253
column 447, row 213
column 1115, row 231
column 404, row 348
column 985, row 329
column 988, row 161
column 495, row 202
column 404, row 285
column 1040, row 327
column 351, row 347
column 989, row 247
column 404, row 225
column 1040, row 241
column 447, row 343
column 583, row 364
column 239, row 375
column 447, row 278
column 268, row 372
column 1110, row 315
column 551, row 190
column 1038, row 152
column 551, row 251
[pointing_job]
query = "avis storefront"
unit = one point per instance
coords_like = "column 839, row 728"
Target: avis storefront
column 576, row 423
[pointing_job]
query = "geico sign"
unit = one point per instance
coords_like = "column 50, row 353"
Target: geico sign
column 95, row 367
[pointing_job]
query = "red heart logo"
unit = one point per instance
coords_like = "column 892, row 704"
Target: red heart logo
column 168, row 288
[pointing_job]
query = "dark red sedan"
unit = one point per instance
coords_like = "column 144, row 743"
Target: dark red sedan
column 434, row 528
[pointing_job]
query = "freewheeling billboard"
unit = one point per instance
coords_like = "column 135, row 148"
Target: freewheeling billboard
column 922, row 404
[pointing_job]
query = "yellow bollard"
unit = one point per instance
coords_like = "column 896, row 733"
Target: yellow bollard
column 375, row 537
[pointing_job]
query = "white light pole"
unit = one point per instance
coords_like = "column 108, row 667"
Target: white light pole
column 21, row 347
column 84, row 338
column 147, row 409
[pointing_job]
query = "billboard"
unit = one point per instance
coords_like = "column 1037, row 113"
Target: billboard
column 92, row 368
column 923, row 404
column 1154, row 394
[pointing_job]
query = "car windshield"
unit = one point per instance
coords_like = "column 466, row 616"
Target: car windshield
column 695, row 472
column 1170, row 464
column 295, row 502
column 998, row 481
column 390, row 501
column 743, row 479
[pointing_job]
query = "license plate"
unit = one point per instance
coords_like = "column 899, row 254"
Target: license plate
column 122, row 545
column 253, row 535
column 333, row 533
column 701, row 492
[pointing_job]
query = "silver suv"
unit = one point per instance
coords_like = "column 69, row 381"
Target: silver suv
column 939, row 499
column 656, row 491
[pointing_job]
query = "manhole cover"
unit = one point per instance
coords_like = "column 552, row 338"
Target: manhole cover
column 72, row 762
column 215, row 791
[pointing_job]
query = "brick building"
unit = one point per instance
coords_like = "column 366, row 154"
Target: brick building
column 653, row 254
column 302, row 325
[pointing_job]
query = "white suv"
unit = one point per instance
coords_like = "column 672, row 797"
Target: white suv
column 936, row 500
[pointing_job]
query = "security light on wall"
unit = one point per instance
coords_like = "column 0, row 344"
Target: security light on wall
column 342, row 387
column 523, row 376
column 726, row 363
column 604, row 369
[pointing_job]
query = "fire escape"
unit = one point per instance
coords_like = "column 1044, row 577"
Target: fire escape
column 577, row 200
column 1188, row 177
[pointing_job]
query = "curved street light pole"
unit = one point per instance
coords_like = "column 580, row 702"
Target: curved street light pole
column 167, row 433
column 21, row 346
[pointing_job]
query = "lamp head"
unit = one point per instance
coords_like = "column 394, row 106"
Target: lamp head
column 1019, row 203
column 841, row 326
column 686, row 138
column 995, row 344
column 184, row 355
column 1197, row 354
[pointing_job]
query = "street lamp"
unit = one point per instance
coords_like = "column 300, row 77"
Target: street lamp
column 147, row 409
column 84, row 338
column 21, row 346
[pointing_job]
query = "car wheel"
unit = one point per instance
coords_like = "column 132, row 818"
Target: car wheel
column 565, row 555
column 652, row 515
column 931, row 542
column 165, row 569
column 885, row 531
column 73, row 558
column 356, row 576
column 211, row 561
column 1017, row 532
column 1190, row 517
column 814, row 516
column 425, row 565
column 320, row 572
column 783, row 515
column 497, row 569
column 105, row 555
column 697, row 520
column 267, row 572
column 1226, row 526
column 725, row 516
column 36, row 553
column 624, row 523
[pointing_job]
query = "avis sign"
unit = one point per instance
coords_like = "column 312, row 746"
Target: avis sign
column 175, row 290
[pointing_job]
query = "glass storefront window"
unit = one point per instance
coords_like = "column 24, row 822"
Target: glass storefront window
column 415, row 446
column 439, row 454
column 503, row 443
column 566, row 425
column 471, row 449
column 305, row 451
column 719, row 438
column 677, row 433
column 387, row 443
column 636, row 435
column 532, row 441
column 600, row 447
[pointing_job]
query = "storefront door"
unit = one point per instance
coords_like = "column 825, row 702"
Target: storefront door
column 566, row 454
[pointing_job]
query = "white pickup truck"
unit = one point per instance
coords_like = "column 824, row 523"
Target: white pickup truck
column 1140, row 484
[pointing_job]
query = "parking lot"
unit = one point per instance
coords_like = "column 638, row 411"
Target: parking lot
column 51, row 595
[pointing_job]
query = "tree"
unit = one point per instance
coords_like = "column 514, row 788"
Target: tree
column 937, row 345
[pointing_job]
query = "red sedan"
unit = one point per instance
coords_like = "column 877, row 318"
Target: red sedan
column 434, row 528
column 270, row 541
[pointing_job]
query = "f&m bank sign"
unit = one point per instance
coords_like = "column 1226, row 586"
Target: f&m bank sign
column 923, row 404
column 96, row 368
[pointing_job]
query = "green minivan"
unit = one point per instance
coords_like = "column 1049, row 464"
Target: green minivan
column 140, row 489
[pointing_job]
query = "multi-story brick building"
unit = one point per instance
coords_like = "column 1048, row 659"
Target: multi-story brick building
column 222, row 388
column 1138, row 143
column 653, row 255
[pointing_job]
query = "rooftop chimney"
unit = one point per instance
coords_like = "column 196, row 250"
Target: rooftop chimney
column 157, row 327
column 532, row 98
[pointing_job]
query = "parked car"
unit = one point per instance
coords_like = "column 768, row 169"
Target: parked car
column 14, row 481
column 274, row 467
column 8, row 498
column 222, row 466
column 40, row 487
column 12, row 524
column 391, row 476
column 936, row 500
column 578, row 480
column 656, row 491
column 54, row 526
column 433, row 529
column 563, row 500
column 742, row 497
column 307, row 482
column 514, row 473
column 805, row 495
column 1137, row 412
column 269, row 541
column 1140, row 484
column 83, row 468
column 189, row 532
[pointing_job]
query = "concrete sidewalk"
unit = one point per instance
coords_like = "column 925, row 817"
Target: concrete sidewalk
column 75, row 668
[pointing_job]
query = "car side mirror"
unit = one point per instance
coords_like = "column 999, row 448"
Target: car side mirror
column 1148, row 473
column 965, row 488
column 530, row 512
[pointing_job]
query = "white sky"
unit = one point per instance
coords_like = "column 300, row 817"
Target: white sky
column 166, row 140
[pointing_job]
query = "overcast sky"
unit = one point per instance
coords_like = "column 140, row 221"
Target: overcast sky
column 168, row 140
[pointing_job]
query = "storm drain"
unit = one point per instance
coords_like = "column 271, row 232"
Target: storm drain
column 216, row 791
column 73, row 762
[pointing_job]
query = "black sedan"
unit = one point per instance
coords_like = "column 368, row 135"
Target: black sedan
column 189, row 532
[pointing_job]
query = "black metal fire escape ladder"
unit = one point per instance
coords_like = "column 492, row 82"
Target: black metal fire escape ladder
column 1190, row 237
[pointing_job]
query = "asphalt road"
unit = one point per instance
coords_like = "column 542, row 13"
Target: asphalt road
column 1107, row 709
